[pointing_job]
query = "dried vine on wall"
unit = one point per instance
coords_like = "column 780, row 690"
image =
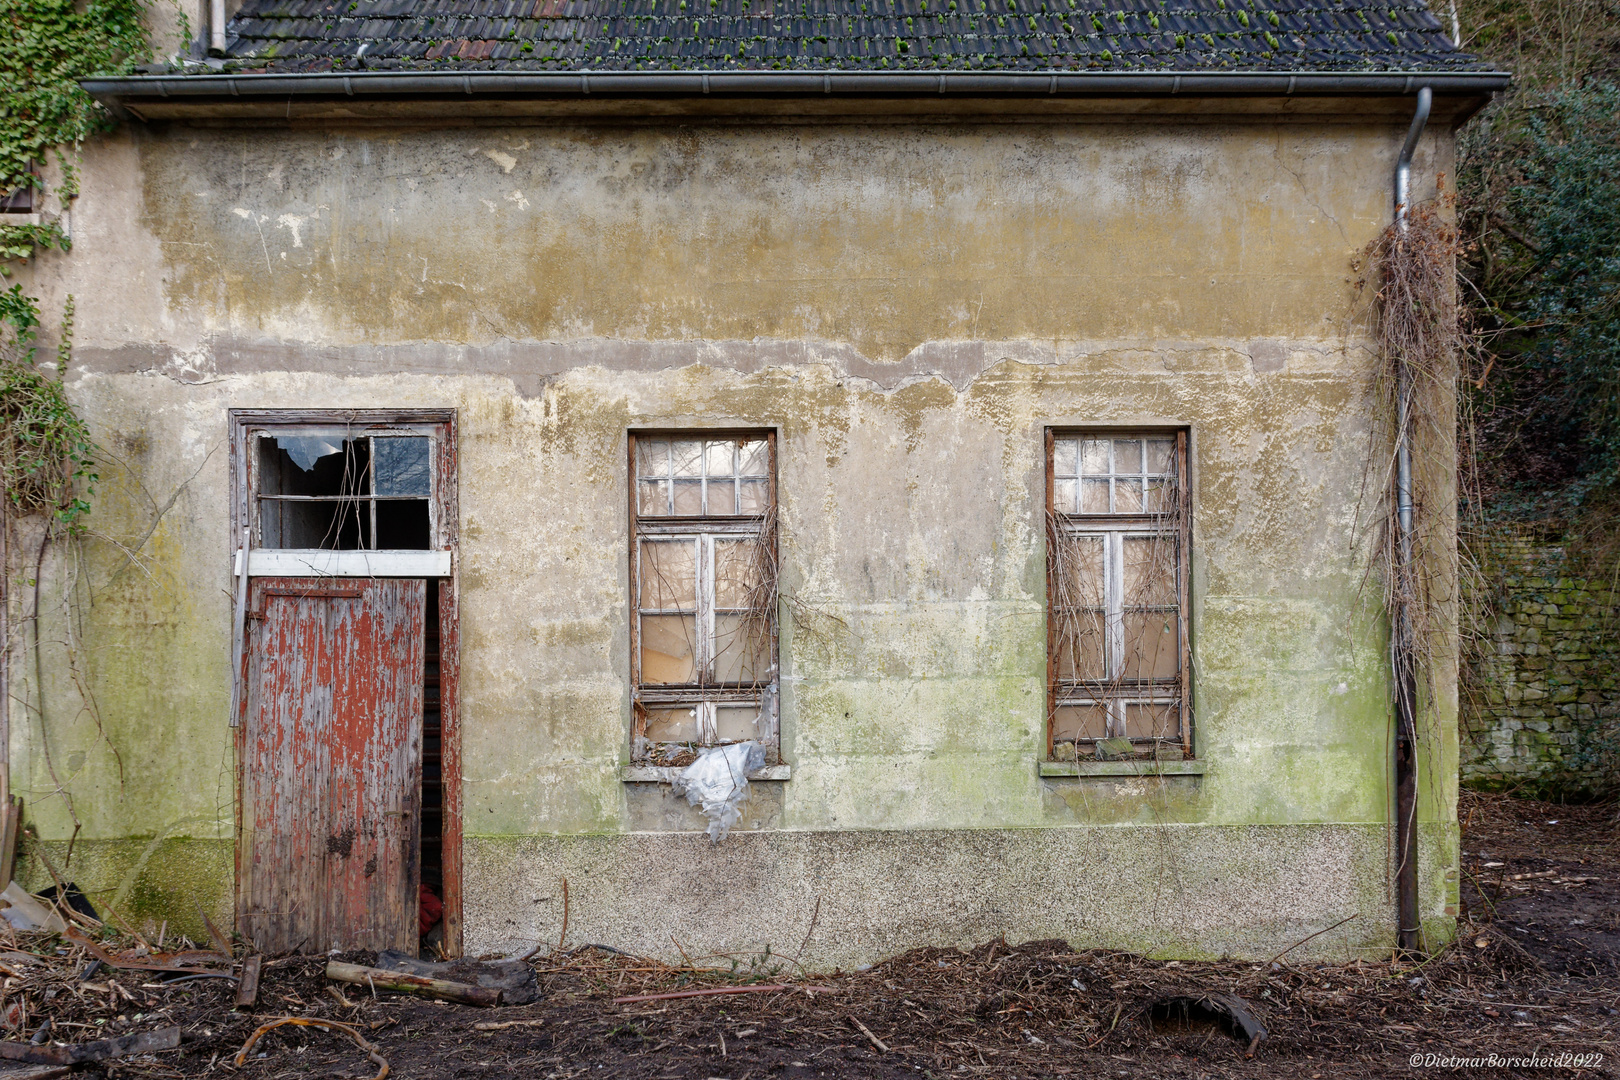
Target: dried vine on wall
column 1422, row 330
column 1422, row 337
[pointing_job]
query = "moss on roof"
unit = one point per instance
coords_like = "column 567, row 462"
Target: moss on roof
column 958, row 35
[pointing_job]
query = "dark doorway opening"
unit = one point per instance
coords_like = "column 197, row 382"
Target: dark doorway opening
column 432, row 780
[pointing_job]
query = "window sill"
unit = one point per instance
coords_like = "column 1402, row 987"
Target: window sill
column 663, row 774
column 1122, row 768
column 12, row 218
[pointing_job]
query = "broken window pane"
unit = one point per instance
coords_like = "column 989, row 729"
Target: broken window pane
column 669, row 575
column 340, row 491
column 668, row 649
column 404, row 525
column 308, row 487
column 672, row 725
column 1072, row 722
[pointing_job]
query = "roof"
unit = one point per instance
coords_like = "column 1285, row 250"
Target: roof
column 286, row 36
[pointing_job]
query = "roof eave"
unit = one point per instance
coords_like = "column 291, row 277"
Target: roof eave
column 116, row 91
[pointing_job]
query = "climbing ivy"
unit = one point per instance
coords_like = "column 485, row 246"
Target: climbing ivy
column 47, row 458
column 46, row 46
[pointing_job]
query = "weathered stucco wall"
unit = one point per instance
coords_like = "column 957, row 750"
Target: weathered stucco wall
column 909, row 307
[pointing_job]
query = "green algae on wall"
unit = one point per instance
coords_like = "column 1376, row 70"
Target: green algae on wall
column 909, row 308
column 1543, row 684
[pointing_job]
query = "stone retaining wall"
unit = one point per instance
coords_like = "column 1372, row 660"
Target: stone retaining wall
column 1541, row 688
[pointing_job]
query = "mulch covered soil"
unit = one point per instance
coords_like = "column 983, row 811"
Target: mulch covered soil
column 1535, row 973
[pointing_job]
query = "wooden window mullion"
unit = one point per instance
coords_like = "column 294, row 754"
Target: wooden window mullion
column 703, row 648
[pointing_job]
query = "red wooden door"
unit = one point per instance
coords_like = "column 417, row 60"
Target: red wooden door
column 331, row 758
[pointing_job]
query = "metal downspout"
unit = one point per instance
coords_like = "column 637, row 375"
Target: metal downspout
column 1403, row 649
column 216, row 27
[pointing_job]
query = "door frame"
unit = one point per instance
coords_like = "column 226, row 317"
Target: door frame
column 243, row 422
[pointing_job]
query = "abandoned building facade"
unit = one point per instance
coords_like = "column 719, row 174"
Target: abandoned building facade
column 502, row 405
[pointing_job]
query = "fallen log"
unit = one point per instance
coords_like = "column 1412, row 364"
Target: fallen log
column 513, row 978
column 379, row 979
column 144, row 1042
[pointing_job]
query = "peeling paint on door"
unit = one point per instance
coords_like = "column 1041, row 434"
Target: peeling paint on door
column 331, row 765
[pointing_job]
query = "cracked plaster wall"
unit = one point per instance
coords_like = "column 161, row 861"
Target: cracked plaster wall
column 909, row 307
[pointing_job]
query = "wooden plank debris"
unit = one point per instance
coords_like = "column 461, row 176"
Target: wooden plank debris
column 247, row 990
column 190, row 960
column 144, row 1042
column 378, row 979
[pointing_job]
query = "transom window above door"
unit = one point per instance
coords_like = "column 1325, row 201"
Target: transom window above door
column 335, row 483
column 336, row 490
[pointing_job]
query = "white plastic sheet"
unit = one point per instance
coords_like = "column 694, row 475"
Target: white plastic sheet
column 717, row 783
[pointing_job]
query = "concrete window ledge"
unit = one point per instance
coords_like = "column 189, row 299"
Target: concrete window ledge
column 663, row 774
column 1122, row 768
column 19, row 219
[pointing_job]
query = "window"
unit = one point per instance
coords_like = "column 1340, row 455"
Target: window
column 341, row 489
column 351, row 493
column 1117, row 535
column 704, row 572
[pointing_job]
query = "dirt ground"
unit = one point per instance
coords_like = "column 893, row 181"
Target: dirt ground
column 1535, row 974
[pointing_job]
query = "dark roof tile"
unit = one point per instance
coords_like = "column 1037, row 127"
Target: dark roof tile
column 603, row 35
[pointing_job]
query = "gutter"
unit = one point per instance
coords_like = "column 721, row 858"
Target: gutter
column 1403, row 647
column 567, row 84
